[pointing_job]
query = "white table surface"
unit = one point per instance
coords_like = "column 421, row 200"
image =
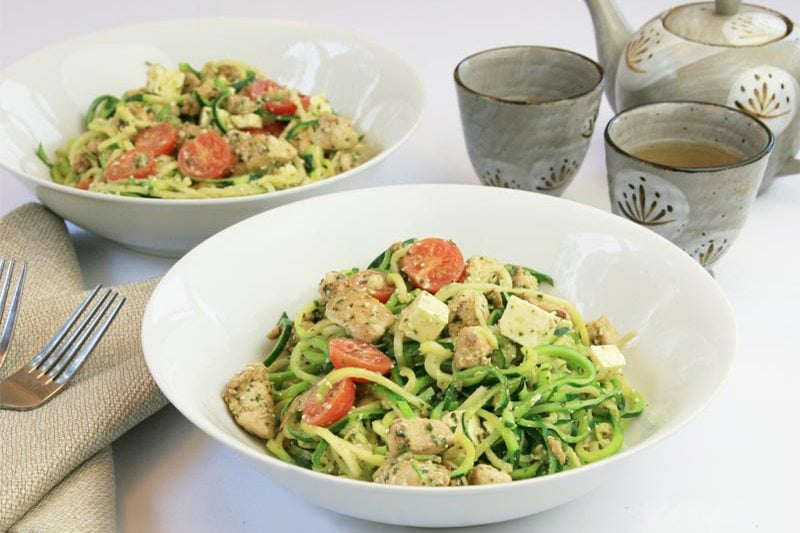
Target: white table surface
column 734, row 468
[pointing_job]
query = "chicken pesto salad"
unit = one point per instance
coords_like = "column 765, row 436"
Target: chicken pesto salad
column 428, row 370
column 225, row 130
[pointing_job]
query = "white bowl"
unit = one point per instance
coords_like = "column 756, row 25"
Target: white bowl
column 45, row 96
column 205, row 322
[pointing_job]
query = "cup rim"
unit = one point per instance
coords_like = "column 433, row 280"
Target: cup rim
column 691, row 170
column 460, row 83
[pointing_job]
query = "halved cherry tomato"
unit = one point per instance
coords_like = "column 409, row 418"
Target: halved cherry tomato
column 359, row 354
column 376, row 283
column 160, row 139
column 432, row 263
column 259, row 87
column 273, row 127
column 134, row 164
column 286, row 107
column 336, row 404
column 84, row 184
column 207, row 156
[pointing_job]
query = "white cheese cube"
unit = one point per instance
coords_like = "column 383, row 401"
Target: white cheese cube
column 250, row 120
column 607, row 357
column 425, row 318
column 526, row 324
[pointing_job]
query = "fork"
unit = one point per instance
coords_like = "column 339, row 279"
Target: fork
column 56, row 364
column 8, row 328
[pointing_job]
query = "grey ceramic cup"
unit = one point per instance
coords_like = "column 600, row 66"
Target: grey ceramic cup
column 528, row 113
column 701, row 210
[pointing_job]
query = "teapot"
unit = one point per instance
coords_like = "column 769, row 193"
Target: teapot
column 725, row 52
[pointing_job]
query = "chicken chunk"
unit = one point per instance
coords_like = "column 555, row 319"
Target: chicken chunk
column 487, row 475
column 240, row 105
column 602, row 331
column 188, row 131
column 522, row 279
column 466, row 309
column 555, row 446
column 230, row 72
column 332, row 133
column 472, row 347
column 254, row 152
column 412, row 473
column 482, row 269
column 248, row 396
column 332, row 283
column 362, row 316
column 418, row 435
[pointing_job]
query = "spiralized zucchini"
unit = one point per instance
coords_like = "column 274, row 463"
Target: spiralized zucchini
column 534, row 410
column 229, row 98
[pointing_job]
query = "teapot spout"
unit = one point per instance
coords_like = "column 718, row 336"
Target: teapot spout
column 612, row 34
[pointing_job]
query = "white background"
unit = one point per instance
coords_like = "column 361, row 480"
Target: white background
column 734, row 468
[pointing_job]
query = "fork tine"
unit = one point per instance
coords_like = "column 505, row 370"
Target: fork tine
column 68, row 348
column 6, row 283
column 59, row 335
column 93, row 340
column 11, row 318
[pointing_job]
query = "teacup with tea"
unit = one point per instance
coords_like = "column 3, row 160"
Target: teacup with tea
column 688, row 171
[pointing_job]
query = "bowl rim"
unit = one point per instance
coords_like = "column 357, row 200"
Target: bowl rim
column 425, row 189
column 377, row 159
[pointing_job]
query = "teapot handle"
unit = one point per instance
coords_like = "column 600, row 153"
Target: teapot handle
column 792, row 166
column 727, row 7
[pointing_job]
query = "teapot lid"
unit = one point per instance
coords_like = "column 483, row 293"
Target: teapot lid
column 725, row 23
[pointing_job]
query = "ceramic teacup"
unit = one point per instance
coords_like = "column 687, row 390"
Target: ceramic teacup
column 699, row 206
column 528, row 113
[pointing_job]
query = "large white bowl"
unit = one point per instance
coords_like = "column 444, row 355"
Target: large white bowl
column 208, row 316
column 44, row 98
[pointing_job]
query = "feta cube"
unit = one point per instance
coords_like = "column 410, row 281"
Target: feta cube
column 425, row 318
column 526, row 324
column 250, row 120
column 607, row 357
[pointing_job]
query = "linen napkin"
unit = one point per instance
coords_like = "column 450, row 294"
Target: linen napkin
column 56, row 468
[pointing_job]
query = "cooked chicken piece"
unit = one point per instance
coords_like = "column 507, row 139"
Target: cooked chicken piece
column 418, row 435
column 188, row 131
column 487, row 475
column 248, row 396
column 229, row 72
column 482, row 269
column 362, row 316
column 83, row 160
column 412, row 473
column 602, row 331
column 472, row 348
column 332, row 283
column 466, row 308
column 332, row 133
column 190, row 82
column 557, row 449
column 190, row 106
column 254, row 152
column 208, row 91
column 522, row 279
column 240, row 105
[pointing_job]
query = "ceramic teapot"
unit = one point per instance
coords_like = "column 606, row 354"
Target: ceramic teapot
column 740, row 55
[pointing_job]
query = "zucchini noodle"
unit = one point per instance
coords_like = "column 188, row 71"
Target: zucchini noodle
column 276, row 137
column 519, row 408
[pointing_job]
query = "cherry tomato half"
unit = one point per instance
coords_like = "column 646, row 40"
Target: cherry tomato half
column 207, row 156
column 353, row 353
column 160, row 139
column 335, row 406
column 376, row 283
column 134, row 164
column 259, row 87
column 273, row 127
column 432, row 263
column 286, row 107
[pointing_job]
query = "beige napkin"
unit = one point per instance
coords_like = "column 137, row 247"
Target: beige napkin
column 56, row 469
